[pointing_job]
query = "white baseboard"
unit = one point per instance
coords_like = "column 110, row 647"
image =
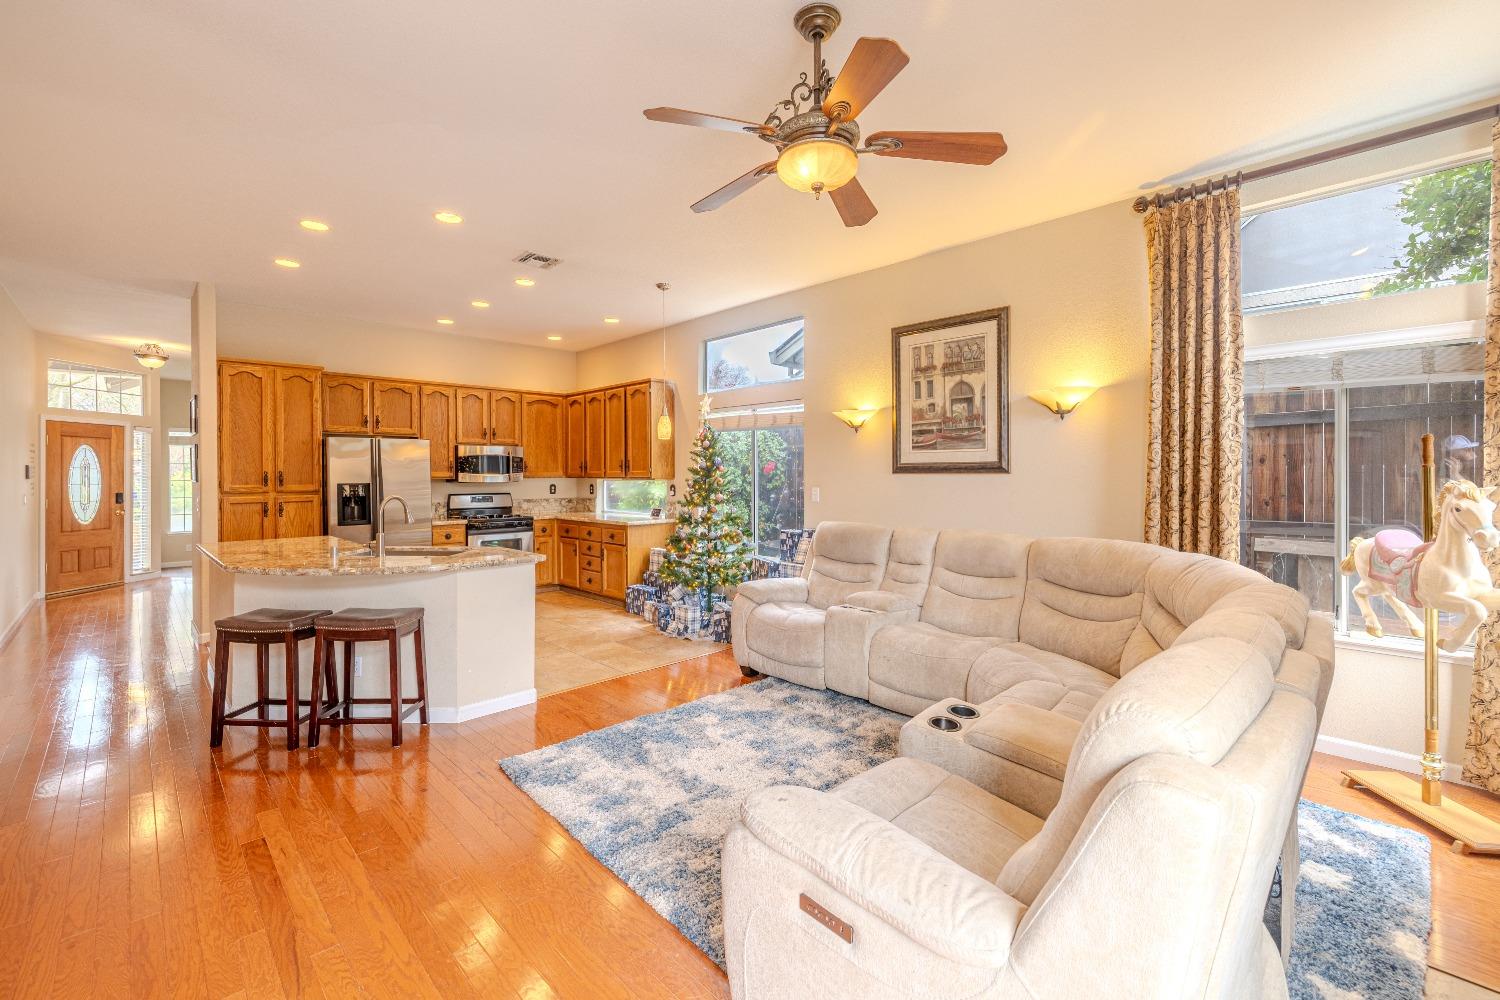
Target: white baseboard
column 1396, row 760
column 482, row 708
column 183, row 564
column 15, row 626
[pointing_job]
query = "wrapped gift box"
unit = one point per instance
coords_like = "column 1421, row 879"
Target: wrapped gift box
column 636, row 596
column 688, row 620
column 658, row 612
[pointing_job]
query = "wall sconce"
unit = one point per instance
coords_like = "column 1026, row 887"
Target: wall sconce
column 856, row 419
column 1063, row 399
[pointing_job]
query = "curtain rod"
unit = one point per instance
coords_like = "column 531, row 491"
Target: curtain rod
column 1328, row 155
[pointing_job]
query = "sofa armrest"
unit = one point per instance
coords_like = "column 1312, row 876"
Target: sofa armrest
column 791, row 589
column 887, row 872
column 1026, row 735
column 847, row 632
column 881, row 600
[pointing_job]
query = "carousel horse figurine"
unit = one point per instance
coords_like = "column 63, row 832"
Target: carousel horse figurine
column 1447, row 573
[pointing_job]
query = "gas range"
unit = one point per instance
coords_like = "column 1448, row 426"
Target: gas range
column 489, row 521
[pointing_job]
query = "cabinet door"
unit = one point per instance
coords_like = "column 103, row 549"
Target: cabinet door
column 245, row 449
column 346, row 404
column 614, row 432
column 438, row 428
column 577, row 420
column 298, row 426
column 594, row 436
column 567, row 562
column 507, row 421
column 473, row 420
column 640, row 430
column 612, row 583
column 244, row 518
column 543, row 436
column 297, row 515
column 546, row 571
column 396, row 408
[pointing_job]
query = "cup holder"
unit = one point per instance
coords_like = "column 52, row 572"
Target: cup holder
column 944, row 724
column 964, row 711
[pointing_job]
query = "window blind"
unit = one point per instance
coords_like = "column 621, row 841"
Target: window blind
column 140, row 500
column 745, row 418
column 1414, row 363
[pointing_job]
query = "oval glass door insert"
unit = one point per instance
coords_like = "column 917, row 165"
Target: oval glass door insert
column 84, row 484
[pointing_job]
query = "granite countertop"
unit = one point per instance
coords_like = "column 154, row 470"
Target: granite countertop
column 605, row 519
column 447, row 522
column 314, row 557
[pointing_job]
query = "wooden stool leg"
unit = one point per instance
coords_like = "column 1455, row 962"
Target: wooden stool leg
column 419, row 643
column 395, row 647
column 221, row 690
column 324, row 673
column 320, row 670
column 348, row 703
column 263, row 679
column 293, row 683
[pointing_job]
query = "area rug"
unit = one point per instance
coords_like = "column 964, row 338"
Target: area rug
column 653, row 798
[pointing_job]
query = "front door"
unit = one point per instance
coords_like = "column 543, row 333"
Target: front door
column 85, row 506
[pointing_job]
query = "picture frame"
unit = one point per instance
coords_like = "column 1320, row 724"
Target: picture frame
column 950, row 405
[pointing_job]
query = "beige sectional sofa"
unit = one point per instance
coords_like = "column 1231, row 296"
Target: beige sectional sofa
column 1107, row 745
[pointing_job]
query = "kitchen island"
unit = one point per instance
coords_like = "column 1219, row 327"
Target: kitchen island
column 480, row 614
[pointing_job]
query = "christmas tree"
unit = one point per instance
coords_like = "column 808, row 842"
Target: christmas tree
column 707, row 551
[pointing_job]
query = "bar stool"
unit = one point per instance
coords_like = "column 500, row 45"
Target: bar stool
column 262, row 628
column 353, row 625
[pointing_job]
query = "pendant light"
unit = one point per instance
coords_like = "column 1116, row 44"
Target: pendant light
column 664, row 422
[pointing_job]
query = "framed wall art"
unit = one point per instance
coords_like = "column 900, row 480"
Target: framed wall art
column 950, row 410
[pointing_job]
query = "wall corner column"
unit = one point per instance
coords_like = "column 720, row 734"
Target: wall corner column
column 205, row 361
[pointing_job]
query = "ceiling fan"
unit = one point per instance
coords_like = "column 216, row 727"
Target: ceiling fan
column 818, row 148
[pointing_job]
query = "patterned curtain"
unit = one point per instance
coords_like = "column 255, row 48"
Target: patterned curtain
column 1196, row 419
column 1482, row 747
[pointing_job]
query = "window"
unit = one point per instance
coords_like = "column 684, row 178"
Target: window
column 762, row 452
column 72, row 386
column 1332, row 453
column 761, row 356
column 634, row 496
column 179, row 483
column 1428, row 230
column 140, row 500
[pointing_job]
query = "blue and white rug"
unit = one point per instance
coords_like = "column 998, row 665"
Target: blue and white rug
column 653, row 798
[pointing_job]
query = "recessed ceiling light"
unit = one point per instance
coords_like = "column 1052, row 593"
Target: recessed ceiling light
column 314, row 225
column 525, row 282
column 1360, row 251
column 611, row 319
column 288, row 262
column 445, row 321
column 553, row 336
column 451, row 218
column 480, row 304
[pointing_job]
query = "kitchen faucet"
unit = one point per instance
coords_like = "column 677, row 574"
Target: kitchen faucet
column 380, row 522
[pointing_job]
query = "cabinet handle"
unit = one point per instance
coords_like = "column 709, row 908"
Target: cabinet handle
column 280, row 478
column 377, row 423
column 364, row 420
column 265, row 479
column 280, row 509
column 265, row 508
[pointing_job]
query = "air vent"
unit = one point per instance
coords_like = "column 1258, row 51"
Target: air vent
column 539, row 261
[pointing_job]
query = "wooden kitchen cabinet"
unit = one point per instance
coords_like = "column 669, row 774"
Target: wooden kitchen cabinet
column 576, row 408
column 544, row 539
column 438, row 427
column 614, row 432
column 297, row 430
column 612, row 583
column 567, row 562
column 456, row 535
column 472, row 421
column 397, row 408
column 544, row 436
column 346, row 404
column 609, row 557
column 245, row 518
column 297, row 515
column 594, row 435
column 646, row 455
column 507, row 419
column 245, row 422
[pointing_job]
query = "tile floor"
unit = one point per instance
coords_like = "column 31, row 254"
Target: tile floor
column 582, row 641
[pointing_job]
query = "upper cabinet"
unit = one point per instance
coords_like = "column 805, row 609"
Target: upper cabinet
column 245, row 421
column 506, row 420
column 297, row 431
column 437, row 426
column 576, row 419
column 544, row 436
column 346, row 404
column 646, row 455
column 614, row 432
column 472, row 422
column 593, row 435
column 397, row 408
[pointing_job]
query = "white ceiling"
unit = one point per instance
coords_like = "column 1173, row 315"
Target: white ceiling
column 150, row 145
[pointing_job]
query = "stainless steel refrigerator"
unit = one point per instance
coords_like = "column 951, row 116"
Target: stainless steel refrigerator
column 361, row 473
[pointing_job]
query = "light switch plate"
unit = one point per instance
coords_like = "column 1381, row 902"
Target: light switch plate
column 817, row 495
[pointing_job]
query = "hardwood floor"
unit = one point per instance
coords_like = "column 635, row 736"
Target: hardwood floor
column 135, row 862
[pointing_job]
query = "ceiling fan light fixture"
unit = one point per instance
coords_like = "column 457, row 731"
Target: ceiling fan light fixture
column 817, row 164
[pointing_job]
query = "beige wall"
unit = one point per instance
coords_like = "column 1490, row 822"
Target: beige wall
column 176, row 549
column 1076, row 288
column 20, row 499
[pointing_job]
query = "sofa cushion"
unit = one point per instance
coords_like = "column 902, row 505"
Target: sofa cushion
column 787, row 633
column 1084, row 597
column 1023, row 734
column 1021, row 673
column 978, row 578
column 847, row 558
column 908, row 568
column 960, row 821
column 924, row 661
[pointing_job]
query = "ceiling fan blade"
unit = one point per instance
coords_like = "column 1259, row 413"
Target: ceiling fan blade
column 873, row 64
column 735, row 188
column 677, row 116
column 855, row 207
column 980, row 148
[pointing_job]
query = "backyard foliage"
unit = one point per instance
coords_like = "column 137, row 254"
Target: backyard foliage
column 1448, row 214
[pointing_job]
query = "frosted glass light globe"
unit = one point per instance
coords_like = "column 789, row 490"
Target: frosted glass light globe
column 818, row 163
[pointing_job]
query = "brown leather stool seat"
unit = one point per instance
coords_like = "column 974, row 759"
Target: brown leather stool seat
column 262, row 628
column 353, row 625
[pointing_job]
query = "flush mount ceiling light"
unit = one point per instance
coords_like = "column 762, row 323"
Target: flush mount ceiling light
column 525, row 282
column 611, row 319
column 480, row 304
column 151, row 355
column 313, row 225
column 814, row 131
column 553, row 336
column 445, row 321
column 450, row 218
column 664, row 422
column 288, row 263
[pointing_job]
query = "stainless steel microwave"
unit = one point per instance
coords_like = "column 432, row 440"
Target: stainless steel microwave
column 489, row 463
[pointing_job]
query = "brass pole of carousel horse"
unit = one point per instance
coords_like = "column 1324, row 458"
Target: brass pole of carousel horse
column 1432, row 756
